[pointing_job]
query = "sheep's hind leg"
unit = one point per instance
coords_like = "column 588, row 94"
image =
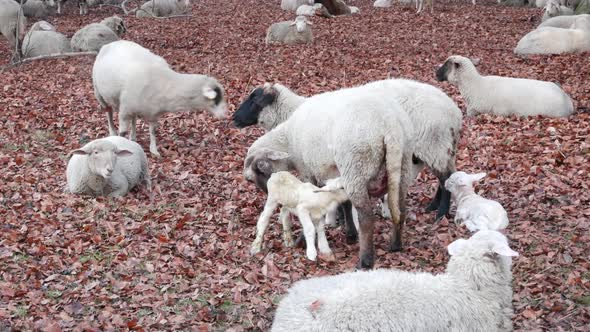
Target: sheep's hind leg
column 133, row 134
column 112, row 129
column 309, row 232
column 153, row 144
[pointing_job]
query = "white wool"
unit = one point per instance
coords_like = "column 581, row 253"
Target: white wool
column 95, row 35
column 42, row 39
column 504, row 95
column 553, row 9
column 137, row 83
column 551, row 40
column 476, row 212
column 108, row 166
column 474, row 294
column 292, row 5
column 39, row 8
column 383, row 3
column 290, row 32
column 10, row 20
column 562, row 21
column 163, row 8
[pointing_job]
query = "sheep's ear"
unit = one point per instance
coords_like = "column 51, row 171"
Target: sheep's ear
column 502, row 249
column 264, row 166
column 456, row 247
column 308, row 22
column 123, row 153
column 292, row 24
column 79, row 152
column 475, row 61
column 477, row 177
column 277, row 155
column 209, row 93
column 45, row 26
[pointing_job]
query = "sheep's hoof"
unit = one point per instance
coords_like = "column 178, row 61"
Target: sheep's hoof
column 255, row 250
column 351, row 238
column 329, row 257
column 300, row 242
column 288, row 242
column 395, row 245
column 366, row 262
column 156, row 153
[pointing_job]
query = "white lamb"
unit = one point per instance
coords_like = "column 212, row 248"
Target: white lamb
column 12, row 21
column 290, row 32
column 310, row 203
column 42, row 39
column 550, row 40
column 135, row 82
column 292, row 5
column 108, row 166
column 95, row 35
column 163, row 8
column 476, row 212
column 504, row 95
column 474, row 294
column 554, row 9
column 564, row 22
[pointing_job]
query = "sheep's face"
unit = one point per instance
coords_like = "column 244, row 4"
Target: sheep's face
column 49, row 3
column 259, row 166
column 459, row 180
column 102, row 158
column 485, row 245
column 300, row 23
column 251, row 111
column 212, row 94
column 552, row 8
column 454, row 68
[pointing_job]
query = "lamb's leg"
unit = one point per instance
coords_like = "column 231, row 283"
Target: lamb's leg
column 287, row 232
column 153, row 145
column 309, row 232
column 262, row 224
column 331, row 217
column 323, row 245
column 351, row 233
column 133, row 135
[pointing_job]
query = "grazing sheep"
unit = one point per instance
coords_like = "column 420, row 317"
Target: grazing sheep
column 476, row 212
column 137, row 83
column 163, row 8
column 310, row 203
column 290, row 32
column 363, row 137
column 42, row 39
column 39, row 8
column 550, row 40
column 554, row 9
column 95, row 35
column 109, row 166
column 564, row 22
column 436, row 118
column 504, row 95
column 292, row 5
column 11, row 20
column 474, row 294
column 383, row 3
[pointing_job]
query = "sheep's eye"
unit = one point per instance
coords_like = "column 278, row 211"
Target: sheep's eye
column 457, row 65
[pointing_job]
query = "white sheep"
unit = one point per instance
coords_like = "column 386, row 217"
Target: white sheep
column 504, row 95
column 310, row 203
column 363, row 137
column 476, row 212
column 338, row 7
column 565, row 22
column 132, row 80
column 163, row 8
column 39, row 8
column 290, row 32
column 383, row 3
column 292, row 5
column 109, row 166
column 316, row 10
column 95, row 35
column 42, row 39
column 474, row 294
column 436, row 118
column 12, row 21
column 554, row 9
column 550, row 40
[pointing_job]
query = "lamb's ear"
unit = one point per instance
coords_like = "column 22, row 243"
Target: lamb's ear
column 123, row 153
column 209, row 93
column 277, row 155
column 501, row 248
column 456, row 247
column 475, row 61
column 477, row 177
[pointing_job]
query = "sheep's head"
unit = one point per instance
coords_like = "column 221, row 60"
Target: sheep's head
column 212, row 96
column 454, row 67
column 49, row 3
column 252, row 110
column 42, row 26
column 261, row 164
column 459, row 180
column 116, row 24
column 485, row 246
column 102, row 157
column 301, row 23
column 552, row 8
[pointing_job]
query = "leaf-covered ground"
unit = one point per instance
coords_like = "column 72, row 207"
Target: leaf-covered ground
column 75, row 263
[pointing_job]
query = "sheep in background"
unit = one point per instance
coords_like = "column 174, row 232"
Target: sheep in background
column 550, row 40
column 108, row 166
column 474, row 294
column 84, row 4
column 420, row 5
column 95, row 35
column 163, row 8
column 39, row 8
column 554, row 9
column 337, row 7
column 42, row 39
column 564, row 22
column 137, row 83
column 11, row 20
column 383, row 3
column 292, row 5
column 290, row 32
column 504, row 95
column 310, row 203
column 476, row 212
column 316, row 10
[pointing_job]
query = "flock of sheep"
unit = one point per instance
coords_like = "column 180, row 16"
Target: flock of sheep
column 347, row 147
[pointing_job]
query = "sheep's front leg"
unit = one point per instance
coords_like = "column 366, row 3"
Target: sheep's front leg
column 309, row 232
column 351, row 232
column 153, row 144
column 287, row 233
column 262, row 224
column 323, row 245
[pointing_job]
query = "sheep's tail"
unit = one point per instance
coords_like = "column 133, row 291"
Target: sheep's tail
column 393, row 165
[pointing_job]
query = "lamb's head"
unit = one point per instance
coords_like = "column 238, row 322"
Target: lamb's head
column 460, row 181
column 42, row 26
column 552, row 8
column 102, row 157
column 301, row 23
column 455, row 67
column 116, row 24
column 485, row 246
column 258, row 108
column 262, row 163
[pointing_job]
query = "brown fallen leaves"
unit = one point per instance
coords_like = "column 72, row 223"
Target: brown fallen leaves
column 75, row 263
